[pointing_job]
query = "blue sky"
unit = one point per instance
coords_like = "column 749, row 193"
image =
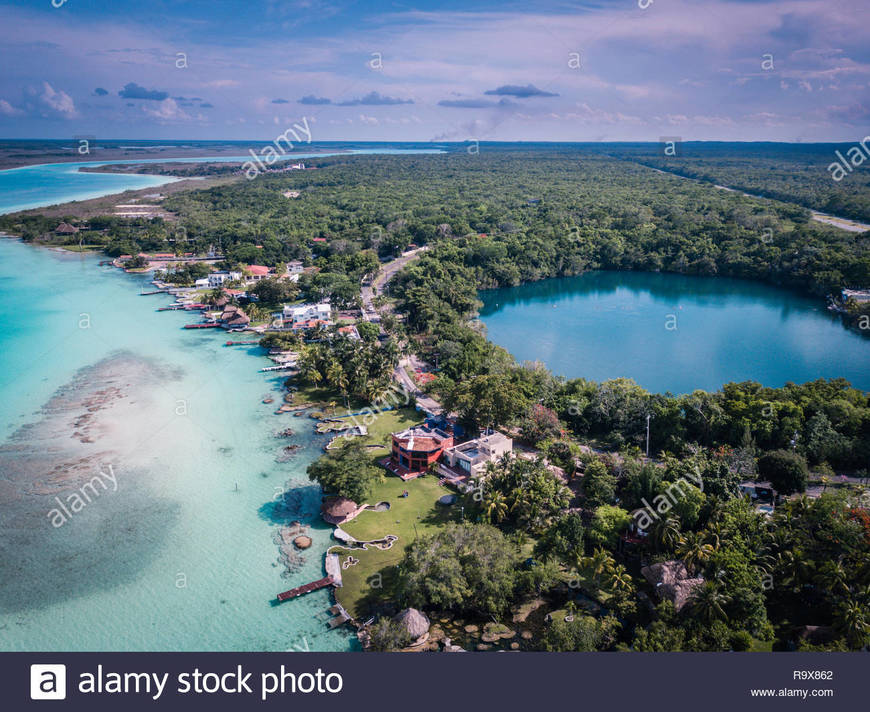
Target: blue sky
column 789, row 70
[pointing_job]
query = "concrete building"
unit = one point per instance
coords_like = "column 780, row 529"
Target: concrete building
column 256, row 273
column 305, row 316
column 415, row 449
column 470, row 458
column 861, row 296
column 217, row 279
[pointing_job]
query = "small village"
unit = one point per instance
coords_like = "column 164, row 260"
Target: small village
column 430, row 465
column 435, row 328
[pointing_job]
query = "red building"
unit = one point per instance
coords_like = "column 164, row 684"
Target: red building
column 416, row 448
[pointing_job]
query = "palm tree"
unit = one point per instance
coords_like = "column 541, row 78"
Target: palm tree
column 214, row 295
column 308, row 366
column 376, row 390
column 853, row 621
column 694, row 551
column 708, row 603
column 495, row 506
column 599, row 564
column 834, row 578
column 665, row 533
column 337, row 377
column 792, row 568
column 256, row 312
column 713, row 535
column 620, row 580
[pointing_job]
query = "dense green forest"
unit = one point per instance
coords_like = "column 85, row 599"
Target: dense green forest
column 509, row 214
column 516, row 215
column 794, row 173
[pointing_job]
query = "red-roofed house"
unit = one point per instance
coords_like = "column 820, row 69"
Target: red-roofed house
column 350, row 332
column 257, row 272
column 414, row 449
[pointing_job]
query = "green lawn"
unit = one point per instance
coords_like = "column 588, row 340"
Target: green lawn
column 390, row 421
column 761, row 646
column 323, row 397
column 408, row 517
column 373, row 579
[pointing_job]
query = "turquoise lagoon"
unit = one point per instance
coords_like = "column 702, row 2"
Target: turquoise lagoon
column 674, row 333
column 181, row 556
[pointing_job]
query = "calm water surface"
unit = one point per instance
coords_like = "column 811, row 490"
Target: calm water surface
column 177, row 558
column 181, row 556
column 674, row 333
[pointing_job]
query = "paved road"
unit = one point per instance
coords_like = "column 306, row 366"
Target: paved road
column 370, row 313
column 388, row 271
column 401, row 376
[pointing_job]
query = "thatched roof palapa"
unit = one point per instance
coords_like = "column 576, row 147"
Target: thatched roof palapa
column 234, row 316
column 672, row 582
column 65, row 229
column 337, row 510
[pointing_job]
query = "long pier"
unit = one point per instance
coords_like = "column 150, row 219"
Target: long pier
column 306, row 588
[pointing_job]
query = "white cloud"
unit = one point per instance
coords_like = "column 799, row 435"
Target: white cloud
column 8, row 110
column 45, row 101
column 166, row 109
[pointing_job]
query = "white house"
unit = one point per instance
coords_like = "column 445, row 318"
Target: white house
column 862, row 296
column 201, row 283
column 216, row 279
column 295, row 267
column 471, row 457
column 306, row 314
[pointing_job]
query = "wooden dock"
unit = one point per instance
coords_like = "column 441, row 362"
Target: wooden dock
column 306, row 588
column 206, row 325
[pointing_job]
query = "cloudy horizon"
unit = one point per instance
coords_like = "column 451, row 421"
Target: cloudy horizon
column 613, row 70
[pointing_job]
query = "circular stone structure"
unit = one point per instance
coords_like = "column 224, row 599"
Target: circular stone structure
column 302, row 541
